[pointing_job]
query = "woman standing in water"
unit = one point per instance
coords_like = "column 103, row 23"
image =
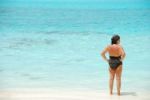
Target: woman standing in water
column 116, row 56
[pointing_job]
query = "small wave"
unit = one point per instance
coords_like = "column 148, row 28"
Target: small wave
column 14, row 43
column 31, row 77
column 51, row 32
column 35, row 78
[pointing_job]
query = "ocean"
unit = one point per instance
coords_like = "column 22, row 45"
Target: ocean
column 60, row 48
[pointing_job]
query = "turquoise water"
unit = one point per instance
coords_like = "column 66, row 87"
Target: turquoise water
column 60, row 48
column 78, row 4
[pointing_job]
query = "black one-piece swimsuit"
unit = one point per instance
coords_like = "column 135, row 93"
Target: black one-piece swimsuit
column 115, row 62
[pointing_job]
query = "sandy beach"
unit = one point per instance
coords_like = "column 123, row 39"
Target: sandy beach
column 49, row 94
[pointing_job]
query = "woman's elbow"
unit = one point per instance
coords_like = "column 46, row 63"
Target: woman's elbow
column 124, row 54
column 102, row 54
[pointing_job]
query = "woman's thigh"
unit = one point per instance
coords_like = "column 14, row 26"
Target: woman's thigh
column 119, row 72
column 111, row 73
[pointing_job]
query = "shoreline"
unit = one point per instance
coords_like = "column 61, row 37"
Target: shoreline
column 60, row 94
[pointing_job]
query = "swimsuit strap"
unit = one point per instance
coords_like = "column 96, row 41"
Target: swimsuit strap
column 114, row 57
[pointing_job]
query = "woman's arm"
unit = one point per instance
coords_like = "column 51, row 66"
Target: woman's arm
column 123, row 54
column 103, row 53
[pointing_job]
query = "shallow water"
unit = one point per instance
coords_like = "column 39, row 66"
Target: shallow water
column 60, row 48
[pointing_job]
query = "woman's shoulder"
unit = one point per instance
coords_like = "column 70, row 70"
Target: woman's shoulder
column 120, row 45
column 114, row 46
column 108, row 46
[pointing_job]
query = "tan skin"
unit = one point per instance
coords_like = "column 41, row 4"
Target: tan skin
column 114, row 50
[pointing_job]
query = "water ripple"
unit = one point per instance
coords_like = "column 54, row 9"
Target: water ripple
column 25, row 42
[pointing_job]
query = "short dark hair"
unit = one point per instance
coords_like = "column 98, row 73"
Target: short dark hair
column 115, row 38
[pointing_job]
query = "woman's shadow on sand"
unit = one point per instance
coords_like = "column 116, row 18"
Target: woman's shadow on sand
column 128, row 94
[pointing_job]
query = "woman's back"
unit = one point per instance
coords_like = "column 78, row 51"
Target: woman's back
column 114, row 50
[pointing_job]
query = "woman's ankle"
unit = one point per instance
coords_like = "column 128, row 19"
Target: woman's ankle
column 118, row 93
column 111, row 92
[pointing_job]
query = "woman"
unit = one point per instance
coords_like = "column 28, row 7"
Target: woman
column 116, row 56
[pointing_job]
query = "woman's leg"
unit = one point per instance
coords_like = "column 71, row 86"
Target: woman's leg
column 118, row 78
column 111, row 80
